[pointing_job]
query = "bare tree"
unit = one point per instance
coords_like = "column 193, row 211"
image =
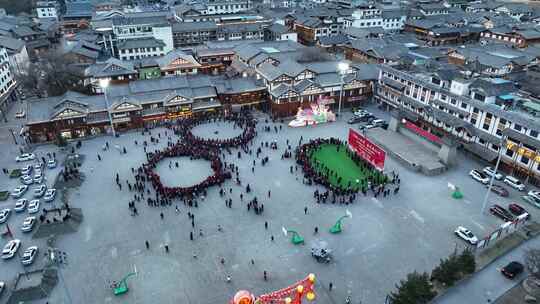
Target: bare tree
column 532, row 262
column 53, row 75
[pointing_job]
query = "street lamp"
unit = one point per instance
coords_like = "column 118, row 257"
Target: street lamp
column 104, row 84
column 503, row 140
column 343, row 67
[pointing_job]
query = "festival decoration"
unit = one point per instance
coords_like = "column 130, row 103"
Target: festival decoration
column 292, row 294
column 338, row 226
column 296, row 238
column 318, row 112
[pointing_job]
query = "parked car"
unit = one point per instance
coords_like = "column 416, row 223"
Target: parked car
column 38, row 166
column 25, row 157
column 466, row 235
column 26, row 170
column 491, row 172
column 20, row 205
column 4, row 215
column 28, row 224
column 50, row 195
column 512, row 269
column 20, row 114
column 33, row 206
column 29, row 255
column 479, row 176
column 514, row 183
column 516, row 209
column 501, row 213
column 500, row 190
column 535, row 194
column 10, row 249
column 2, row 287
column 531, row 200
column 51, row 164
column 355, row 119
column 361, row 112
column 19, row 191
column 27, row 179
column 40, row 191
column 38, row 178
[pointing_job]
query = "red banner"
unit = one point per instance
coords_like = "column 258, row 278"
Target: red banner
column 367, row 150
column 426, row 134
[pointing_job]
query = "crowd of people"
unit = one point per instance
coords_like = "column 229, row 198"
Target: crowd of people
column 146, row 171
column 316, row 172
column 243, row 121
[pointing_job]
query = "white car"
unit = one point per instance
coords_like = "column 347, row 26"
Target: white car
column 27, row 179
column 40, row 191
column 535, row 194
column 38, row 178
column 466, row 235
column 33, row 206
column 491, row 172
column 10, row 249
column 20, row 114
column 19, row 191
column 26, row 170
column 514, row 183
column 4, row 214
column 25, row 157
column 479, row 176
column 38, row 165
column 29, row 255
column 28, row 224
column 50, row 195
column 2, row 287
column 20, row 205
column 51, row 164
column 361, row 113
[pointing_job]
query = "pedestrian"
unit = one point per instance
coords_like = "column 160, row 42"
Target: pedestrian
column 268, row 193
column 222, row 261
column 166, row 248
column 330, row 286
column 272, row 238
column 252, row 262
column 265, row 275
column 99, row 157
column 161, row 215
column 316, row 230
column 305, row 210
column 191, row 235
column 147, row 244
column 266, row 225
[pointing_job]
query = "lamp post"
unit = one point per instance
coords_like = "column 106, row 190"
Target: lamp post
column 492, row 179
column 104, row 84
column 343, row 67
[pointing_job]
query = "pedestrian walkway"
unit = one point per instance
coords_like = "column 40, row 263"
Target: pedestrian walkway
column 488, row 284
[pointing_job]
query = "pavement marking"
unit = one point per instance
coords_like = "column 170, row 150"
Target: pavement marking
column 277, row 184
column 114, row 252
column 417, row 216
column 467, row 201
column 368, row 248
column 88, row 234
column 377, row 202
column 349, row 251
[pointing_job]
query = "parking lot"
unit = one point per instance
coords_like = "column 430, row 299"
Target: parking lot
column 385, row 239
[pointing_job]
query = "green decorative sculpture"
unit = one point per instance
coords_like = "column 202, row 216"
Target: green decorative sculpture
column 338, row 226
column 296, row 238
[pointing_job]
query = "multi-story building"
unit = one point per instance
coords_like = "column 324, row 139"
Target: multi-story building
column 47, row 9
column 140, row 48
column 139, row 27
column 18, row 55
column 193, row 33
column 486, row 116
column 7, row 83
column 227, row 6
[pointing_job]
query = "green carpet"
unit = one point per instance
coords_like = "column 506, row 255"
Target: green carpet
column 341, row 163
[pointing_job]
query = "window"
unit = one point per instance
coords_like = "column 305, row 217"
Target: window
column 534, row 133
column 517, row 127
column 464, row 105
column 509, row 153
column 524, row 159
column 475, row 110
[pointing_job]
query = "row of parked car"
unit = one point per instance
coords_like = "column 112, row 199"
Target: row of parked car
column 11, row 248
column 485, row 175
column 368, row 119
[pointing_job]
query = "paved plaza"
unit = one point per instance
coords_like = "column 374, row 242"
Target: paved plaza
column 385, row 239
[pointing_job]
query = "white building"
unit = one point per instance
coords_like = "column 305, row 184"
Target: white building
column 7, row 82
column 135, row 27
column 140, row 48
column 47, row 9
column 370, row 16
column 214, row 7
column 17, row 53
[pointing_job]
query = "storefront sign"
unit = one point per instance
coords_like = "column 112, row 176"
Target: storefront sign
column 367, row 150
column 426, row 134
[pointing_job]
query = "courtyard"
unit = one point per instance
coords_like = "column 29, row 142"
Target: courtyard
column 384, row 240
